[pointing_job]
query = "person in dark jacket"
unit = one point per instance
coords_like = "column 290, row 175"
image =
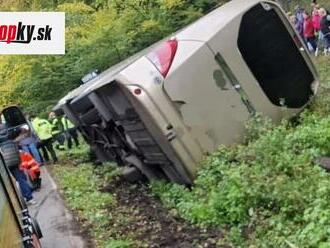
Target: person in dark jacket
column 325, row 26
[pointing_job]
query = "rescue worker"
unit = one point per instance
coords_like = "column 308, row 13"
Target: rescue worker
column 70, row 132
column 57, row 131
column 44, row 131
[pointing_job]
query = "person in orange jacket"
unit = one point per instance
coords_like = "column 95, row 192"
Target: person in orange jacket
column 31, row 167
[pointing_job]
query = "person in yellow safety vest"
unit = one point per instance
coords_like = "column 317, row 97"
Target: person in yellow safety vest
column 57, row 131
column 70, row 132
column 44, row 131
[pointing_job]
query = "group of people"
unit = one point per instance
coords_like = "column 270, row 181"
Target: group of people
column 37, row 143
column 46, row 134
column 313, row 27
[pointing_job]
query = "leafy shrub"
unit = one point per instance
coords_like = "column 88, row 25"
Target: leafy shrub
column 112, row 243
column 256, row 127
column 269, row 192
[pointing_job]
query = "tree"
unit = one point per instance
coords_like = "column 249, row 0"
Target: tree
column 285, row 4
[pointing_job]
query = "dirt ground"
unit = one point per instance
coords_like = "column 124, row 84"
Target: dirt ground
column 146, row 220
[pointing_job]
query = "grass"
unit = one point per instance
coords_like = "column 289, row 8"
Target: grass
column 80, row 184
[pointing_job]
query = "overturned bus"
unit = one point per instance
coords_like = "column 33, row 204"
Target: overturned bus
column 160, row 111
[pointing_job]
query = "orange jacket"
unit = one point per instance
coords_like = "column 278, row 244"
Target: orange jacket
column 29, row 164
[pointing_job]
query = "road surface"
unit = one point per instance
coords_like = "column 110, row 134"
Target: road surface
column 57, row 223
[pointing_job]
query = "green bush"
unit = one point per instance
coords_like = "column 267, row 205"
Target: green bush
column 271, row 186
column 118, row 244
column 269, row 192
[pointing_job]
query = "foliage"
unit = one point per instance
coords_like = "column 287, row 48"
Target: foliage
column 257, row 126
column 270, row 192
column 99, row 34
column 118, row 244
column 306, row 3
column 267, row 193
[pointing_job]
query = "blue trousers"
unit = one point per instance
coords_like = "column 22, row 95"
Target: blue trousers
column 32, row 149
column 23, row 184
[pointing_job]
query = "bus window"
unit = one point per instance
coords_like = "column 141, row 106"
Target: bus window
column 13, row 117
